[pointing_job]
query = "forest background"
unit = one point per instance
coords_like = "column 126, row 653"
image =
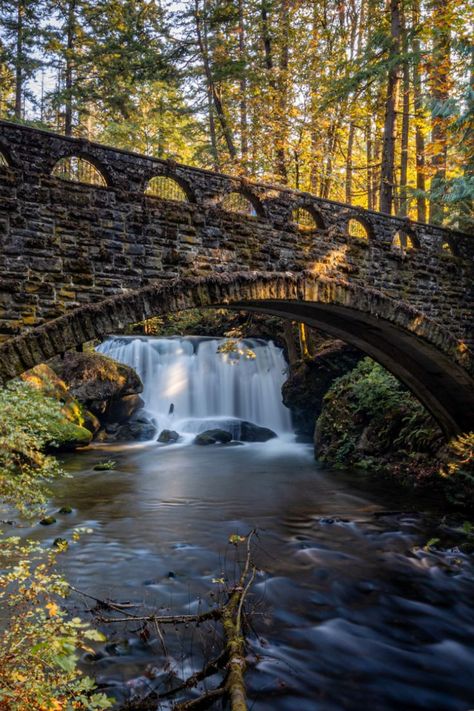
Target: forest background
column 368, row 102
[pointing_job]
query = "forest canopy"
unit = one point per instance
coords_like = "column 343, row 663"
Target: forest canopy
column 364, row 101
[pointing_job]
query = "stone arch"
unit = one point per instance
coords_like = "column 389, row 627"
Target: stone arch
column 359, row 228
column 404, row 241
column 435, row 366
column 305, row 217
column 243, row 202
column 81, row 168
column 167, row 187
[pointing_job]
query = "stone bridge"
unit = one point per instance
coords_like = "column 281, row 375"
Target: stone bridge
column 93, row 238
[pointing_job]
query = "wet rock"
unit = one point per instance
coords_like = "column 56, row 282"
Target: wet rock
column 134, row 431
column 67, row 437
column 250, row 432
column 213, row 437
column 47, row 521
column 65, row 510
column 60, row 543
column 168, row 437
column 122, row 409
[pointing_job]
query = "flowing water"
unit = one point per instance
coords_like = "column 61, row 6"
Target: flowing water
column 349, row 611
column 189, row 376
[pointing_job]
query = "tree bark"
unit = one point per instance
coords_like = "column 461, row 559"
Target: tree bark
column 391, row 106
column 71, row 34
column 201, row 34
column 440, row 80
column 403, row 208
column 19, row 60
column 243, row 86
column 418, row 106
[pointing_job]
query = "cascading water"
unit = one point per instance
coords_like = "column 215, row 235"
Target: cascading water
column 190, row 386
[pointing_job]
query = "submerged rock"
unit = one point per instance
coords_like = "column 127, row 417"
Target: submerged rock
column 250, row 432
column 168, row 437
column 47, row 521
column 133, row 430
column 213, row 437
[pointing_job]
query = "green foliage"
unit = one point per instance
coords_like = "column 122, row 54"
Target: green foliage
column 106, row 465
column 457, row 470
column 39, row 643
column 29, row 421
column 38, row 648
column 368, row 418
column 235, row 350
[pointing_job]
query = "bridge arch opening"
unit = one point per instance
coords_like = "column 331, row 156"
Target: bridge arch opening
column 307, row 218
column 79, row 169
column 448, row 248
column 3, row 160
column 404, row 242
column 242, row 203
column 168, row 188
column 358, row 228
column 418, row 351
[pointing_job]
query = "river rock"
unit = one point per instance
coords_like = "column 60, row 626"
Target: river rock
column 213, row 437
column 168, row 436
column 250, row 432
column 133, row 430
column 102, row 385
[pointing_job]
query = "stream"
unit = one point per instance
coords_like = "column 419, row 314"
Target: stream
column 350, row 610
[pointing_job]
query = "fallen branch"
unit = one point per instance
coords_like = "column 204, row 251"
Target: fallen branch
column 232, row 658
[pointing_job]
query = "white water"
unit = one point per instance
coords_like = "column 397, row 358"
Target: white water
column 204, row 385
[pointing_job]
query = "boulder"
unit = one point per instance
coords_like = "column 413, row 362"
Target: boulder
column 122, row 409
column 250, row 432
column 102, row 385
column 67, row 436
column 213, row 437
column 132, row 431
column 168, row 437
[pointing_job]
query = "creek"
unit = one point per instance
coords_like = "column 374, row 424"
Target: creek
column 350, row 609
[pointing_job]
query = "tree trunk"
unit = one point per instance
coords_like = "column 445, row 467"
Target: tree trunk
column 440, row 81
column 291, row 347
column 391, row 106
column 201, row 34
column 19, row 60
column 403, row 209
column 369, row 159
column 243, row 87
column 419, row 119
column 71, row 33
column 281, row 128
column 350, row 147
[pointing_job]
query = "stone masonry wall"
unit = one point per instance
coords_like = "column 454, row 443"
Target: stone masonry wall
column 66, row 244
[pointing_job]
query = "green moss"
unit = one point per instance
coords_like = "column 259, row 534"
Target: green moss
column 370, row 421
column 66, row 436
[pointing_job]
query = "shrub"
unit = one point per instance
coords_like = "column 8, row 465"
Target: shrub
column 38, row 644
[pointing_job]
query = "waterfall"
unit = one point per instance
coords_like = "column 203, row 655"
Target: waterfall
column 188, row 385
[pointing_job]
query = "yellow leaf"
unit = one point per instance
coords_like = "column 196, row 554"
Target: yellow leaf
column 52, row 608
